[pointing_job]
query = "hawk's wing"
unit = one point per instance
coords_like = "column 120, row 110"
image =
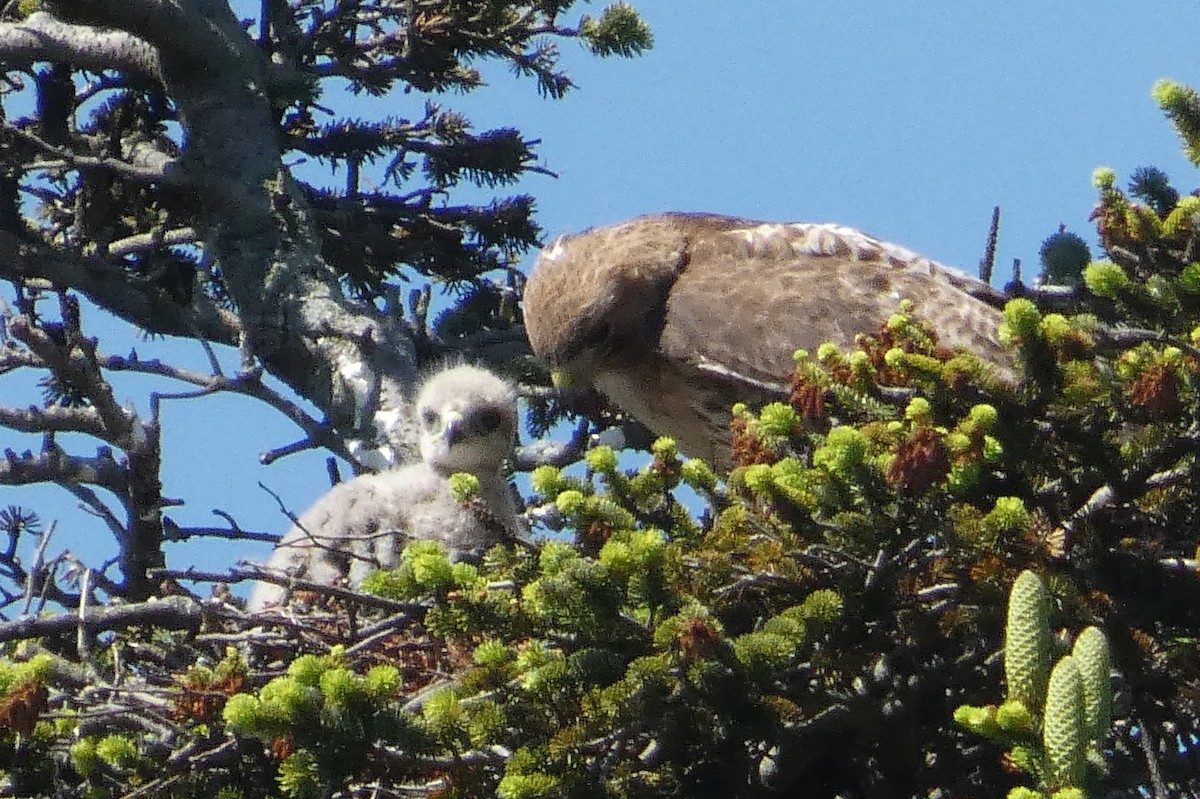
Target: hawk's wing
column 751, row 294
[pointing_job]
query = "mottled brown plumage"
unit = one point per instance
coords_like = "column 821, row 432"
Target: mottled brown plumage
column 674, row 317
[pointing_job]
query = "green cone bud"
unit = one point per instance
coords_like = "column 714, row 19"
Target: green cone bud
column 1063, row 732
column 1027, row 642
column 1091, row 653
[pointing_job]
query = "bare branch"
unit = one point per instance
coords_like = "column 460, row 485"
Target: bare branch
column 269, row 576
column 147, row 241
column 52, row 465
column 54, row 419
column 41, row 37
column 105, row 285
column 171, row 613
column 177, row 533
column 151, row 165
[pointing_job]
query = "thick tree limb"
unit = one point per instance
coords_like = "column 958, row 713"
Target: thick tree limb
column 171, row 613
column 41, row 37
column 104, row 284
column 51, row 465
column 53, row 419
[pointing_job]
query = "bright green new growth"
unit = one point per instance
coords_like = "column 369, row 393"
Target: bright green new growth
column 1064, row 734
column 118, row 751
column 844, row 451
column 698, row 474
column 1022, row 792
column 789, row 478
column 1181, row 104
column 1055, row 328
column 1092, row 656
column 430, row 565
column 1008, row 516
column 984, row 417
column 778, row 420
column 570, row 502
column 1027, row 640
column 918, row 410
column 443, row 713
column 1181, row 219
column 83, row 756
column 546, row 481
column 1106, row 279
column 465, row 486
column 979, row 720
column 1104, row 177
column 602, row 460
column 824, row 606
column 665, row 448
column 1069, row 793
column 527, row 786
column 1021, row 317
column 1014, row 716
column 14, row 674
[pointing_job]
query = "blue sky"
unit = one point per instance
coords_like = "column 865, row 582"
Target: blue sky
column 910, row 121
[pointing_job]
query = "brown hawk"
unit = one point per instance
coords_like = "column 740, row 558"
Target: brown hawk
column 467, row 419
column 675, row 317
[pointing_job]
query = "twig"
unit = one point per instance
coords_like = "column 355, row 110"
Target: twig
column 173, row 532
column 1152, row 765
column 248, row 383
column 553, row 453
column 81, row 637
column 37, row 567
column 988, row 262
column 148, row 241
column 379, row 631
column 276, row 578
column 161, row 172
column 92, row 504
column 272, row 455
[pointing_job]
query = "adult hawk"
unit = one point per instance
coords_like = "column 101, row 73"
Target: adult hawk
column 468, row 420
column 675, row 317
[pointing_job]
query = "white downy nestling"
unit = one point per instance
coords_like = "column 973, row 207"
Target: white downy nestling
column 468, row 420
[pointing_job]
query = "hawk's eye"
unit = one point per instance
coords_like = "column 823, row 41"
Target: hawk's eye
column 598, row 337
column 428, row 416
column 487, row 421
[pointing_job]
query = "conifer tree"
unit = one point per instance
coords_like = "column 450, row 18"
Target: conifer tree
column 915, row 582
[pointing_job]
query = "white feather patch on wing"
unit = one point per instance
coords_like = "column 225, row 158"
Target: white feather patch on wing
column 830, row 240
column 722, row 372
column 555, row 250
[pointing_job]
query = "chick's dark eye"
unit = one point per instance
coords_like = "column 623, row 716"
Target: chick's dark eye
column 488, row 421
column 428, row 416
column 598, row 336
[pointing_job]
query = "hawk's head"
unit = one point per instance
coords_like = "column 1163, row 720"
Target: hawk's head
column 600, row 296
column 468, row 420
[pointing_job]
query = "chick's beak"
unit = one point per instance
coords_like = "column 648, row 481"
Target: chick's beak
column 452, row 429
